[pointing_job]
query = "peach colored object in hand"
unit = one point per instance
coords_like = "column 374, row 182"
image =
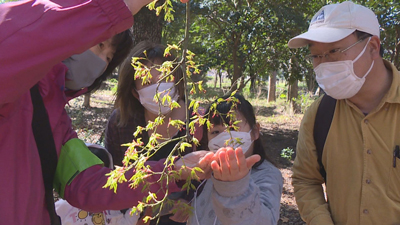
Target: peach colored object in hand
column 232, row 165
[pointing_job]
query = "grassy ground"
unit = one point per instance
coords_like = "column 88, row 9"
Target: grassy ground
column 279, row 130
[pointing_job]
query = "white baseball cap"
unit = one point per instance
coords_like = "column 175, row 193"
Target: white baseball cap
column 334, row 22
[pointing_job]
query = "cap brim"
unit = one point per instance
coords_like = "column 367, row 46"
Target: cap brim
column 320, row 34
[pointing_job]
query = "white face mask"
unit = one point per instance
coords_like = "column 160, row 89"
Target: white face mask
column 83, row 70
column 338, row 79
column 146, row 96
column 219, row 141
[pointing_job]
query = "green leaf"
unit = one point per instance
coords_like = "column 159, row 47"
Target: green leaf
column 184, row 145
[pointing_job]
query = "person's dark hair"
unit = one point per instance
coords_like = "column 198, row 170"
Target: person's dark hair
column 363, row 35
column 101, row 154
column 246, row 110
column 129, row 106
column 123, row 43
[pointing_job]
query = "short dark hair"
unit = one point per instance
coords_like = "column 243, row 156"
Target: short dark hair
column 123, row 43
column 363, row 35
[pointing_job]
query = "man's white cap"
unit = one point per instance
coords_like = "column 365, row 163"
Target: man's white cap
column 334, row 22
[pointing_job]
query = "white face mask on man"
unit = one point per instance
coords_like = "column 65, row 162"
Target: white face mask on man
column 338, row 79
column 146, row 97
column 219, row 141
column 83, row 70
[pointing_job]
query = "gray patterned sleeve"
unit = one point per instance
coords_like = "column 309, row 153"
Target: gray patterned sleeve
column 255, row 199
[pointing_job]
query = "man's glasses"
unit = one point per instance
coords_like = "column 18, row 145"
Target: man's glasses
column 332, row 54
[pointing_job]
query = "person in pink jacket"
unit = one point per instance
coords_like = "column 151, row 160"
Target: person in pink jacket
column 40, row 43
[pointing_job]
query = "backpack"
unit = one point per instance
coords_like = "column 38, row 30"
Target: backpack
column 323, row 120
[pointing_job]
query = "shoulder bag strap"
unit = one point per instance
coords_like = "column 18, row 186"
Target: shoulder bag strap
column 323, row 121
column 47, row 150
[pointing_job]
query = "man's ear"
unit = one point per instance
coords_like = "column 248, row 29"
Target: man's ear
column 375, row 44
column 256, row 131
column 135, row 94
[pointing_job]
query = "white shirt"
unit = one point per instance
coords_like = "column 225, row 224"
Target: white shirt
column 73, row 216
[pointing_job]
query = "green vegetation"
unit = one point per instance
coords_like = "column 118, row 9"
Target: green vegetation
column 247, row 40
column 287, row 153
column 246, row 44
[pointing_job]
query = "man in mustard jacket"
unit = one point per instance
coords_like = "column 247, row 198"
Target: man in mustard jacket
column 359, row 155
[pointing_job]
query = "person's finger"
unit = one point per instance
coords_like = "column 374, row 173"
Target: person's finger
column 250, row 161
column 215, row 166
column 223, row 149
column 241, row 160
column 206, row 160
column 217, row 154
column 233, row 162
column 216, row 170
column 192, row 159
column 205, row 165
column 223, row 163
column 229, row 148
column 201, row 159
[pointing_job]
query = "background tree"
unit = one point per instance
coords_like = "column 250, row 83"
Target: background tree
column 147, row 26
column 248, row 39
column 388, row 13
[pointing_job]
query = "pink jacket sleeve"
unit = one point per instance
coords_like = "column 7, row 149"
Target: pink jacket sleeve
column 36, row 35
column 86, row 192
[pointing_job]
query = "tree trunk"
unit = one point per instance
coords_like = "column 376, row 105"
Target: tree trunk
column 220, row 78
column 253, row 77
column 294, row 93
column 86, row 100
column 242, row 83
column 148, row 26
column 396, row 51
column 396, row 60
column 216, row 79
column 228, row 71
column 252, row 84
column 311, row 83
column 236, row 64
column 272, row 87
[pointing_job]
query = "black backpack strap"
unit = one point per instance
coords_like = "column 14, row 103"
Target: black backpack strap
column 322, row 124
column 46, row 148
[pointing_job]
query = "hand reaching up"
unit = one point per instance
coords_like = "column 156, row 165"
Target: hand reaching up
column 232, row 165
column 201, row 159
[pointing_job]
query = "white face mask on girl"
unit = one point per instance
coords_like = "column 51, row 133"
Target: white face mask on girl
column 219, row 141
column 338, row 79
column 83, row 70
column 146, row 97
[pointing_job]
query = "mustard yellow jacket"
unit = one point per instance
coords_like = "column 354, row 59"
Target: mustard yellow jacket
column 363, row 187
